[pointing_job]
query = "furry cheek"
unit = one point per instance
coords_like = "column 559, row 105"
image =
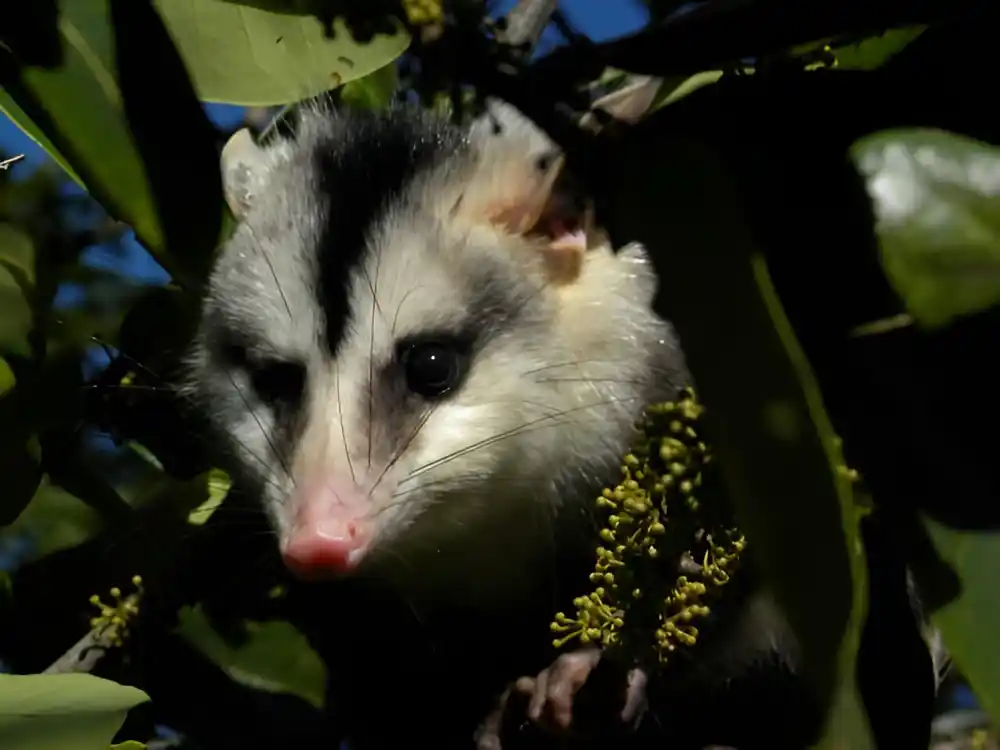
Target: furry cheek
column 461, row 446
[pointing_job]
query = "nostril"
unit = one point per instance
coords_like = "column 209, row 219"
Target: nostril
column 314, row 553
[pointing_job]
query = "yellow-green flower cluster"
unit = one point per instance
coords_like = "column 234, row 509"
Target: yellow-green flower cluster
column 113, row 622
column 669, row 543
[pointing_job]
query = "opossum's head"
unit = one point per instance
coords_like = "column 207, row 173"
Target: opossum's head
column 411, row 345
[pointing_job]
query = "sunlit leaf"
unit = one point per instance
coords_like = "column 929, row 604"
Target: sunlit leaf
column 7, row 379
column 676, row 88
column 218, row 483
column 374, row 91
column 873, row 52
column 936, row 200
column 62, row 711
column 248, row 55
column 18, row 116
column 184, row 178
column 275, row 657
column 971, row 622
column 78, row 109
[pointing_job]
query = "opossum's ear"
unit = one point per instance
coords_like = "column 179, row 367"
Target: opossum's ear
column 242, row 164
column 519, row 184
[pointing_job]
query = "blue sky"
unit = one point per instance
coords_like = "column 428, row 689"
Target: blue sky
column 599, row 19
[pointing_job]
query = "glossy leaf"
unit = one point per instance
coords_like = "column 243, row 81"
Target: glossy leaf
column 17, row 255
column 774, row 440
column 234, row 54
column 875, row 51
column 54, row 520
column 16, row 284
column 20, row 471
column 677, row 87
column 15, row 315
column 62, row 711
column 7, row 378
column 374, row 91
column 18, row 116
column 275, row 657
column 936, row 200
column 184, row 178
column 217, row 484
column 78, row 109
column 254, row 56
column 21, row 476
column 970, row 623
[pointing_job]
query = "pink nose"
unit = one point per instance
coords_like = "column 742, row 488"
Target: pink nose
column 330, row 549
column 329, row 532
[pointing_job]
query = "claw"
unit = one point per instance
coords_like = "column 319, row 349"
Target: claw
column 551, row 695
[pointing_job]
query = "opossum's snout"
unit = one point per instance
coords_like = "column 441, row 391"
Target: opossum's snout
column 329, row 528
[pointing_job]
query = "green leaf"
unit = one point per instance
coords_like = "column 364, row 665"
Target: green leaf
column 184, row 179
column 129, row 745
column 77, row 107
column 275, row 657
column 21, row 476
column 875, row 51
column 16, row 286
column 675, row 88
column 374, row 91
column 257, row 57
column 936, row 201
column 7, row 379
column 17, row 255
column 54, row 520
column 218, row 484
column 192, row 499
column 774, row 440
column 970, row 623
column 18, row 116
column 234, row 54
column 62, row 711
column 20, row 472
column 15, row 316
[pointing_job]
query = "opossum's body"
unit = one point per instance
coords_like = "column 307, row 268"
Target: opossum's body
column 426, row 373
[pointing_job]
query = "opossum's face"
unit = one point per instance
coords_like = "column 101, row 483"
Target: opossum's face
column 394, row 361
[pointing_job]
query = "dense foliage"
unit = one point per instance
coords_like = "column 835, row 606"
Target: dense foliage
column 820, row 187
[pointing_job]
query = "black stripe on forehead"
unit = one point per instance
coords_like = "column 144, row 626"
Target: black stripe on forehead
column 364, row 165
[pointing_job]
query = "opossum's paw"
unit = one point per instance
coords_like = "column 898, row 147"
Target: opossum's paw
column 551, row 698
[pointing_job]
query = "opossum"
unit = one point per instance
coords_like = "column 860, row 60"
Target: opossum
column 426, row 362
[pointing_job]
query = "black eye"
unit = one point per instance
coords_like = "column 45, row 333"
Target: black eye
column 279, row 382
column 433, row 367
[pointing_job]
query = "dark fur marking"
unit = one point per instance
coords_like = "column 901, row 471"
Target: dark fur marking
column 365, row 164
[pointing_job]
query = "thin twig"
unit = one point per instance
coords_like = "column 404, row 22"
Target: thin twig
column 84, row 654
column 6, row 163
column 526, row 21
column 107, row 631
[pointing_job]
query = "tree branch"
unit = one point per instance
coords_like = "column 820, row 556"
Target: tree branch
column 107, row 631
column 526, row 21
column 6, row 163
column 725, row 31
column 83, row 655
